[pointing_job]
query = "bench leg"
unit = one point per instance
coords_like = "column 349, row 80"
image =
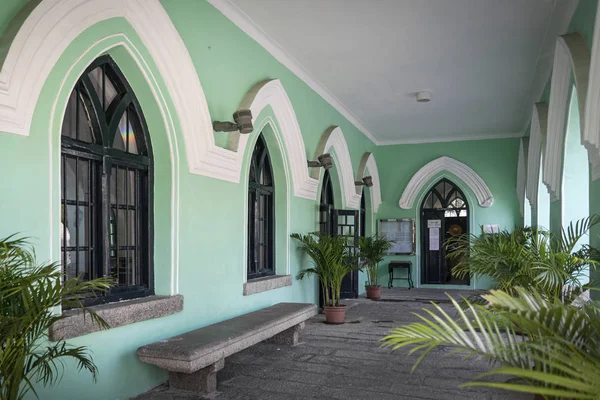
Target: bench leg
column 289, row 336
column 202, row 381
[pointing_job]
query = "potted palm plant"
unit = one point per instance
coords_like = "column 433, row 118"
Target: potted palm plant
column 372, row 250
column 28, row 293
column 332, row 260
column 530, row 258
column 544, row 342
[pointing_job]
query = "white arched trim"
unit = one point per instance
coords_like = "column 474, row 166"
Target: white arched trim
column 431, row 169
column 271, row 93
column 53, row 24
column 333, row 138
column 522, row 173
column 537, row 141
column 97, row 48
column 571, row 55
column 368, row 167
column 591, row 121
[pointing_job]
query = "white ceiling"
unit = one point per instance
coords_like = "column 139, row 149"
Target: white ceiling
column 486, row 61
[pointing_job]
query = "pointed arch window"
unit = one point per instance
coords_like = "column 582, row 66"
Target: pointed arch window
column 261, row 213
column 106, row 184
column 446, row 196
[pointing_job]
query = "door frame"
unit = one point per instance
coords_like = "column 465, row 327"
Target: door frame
column 472, row 201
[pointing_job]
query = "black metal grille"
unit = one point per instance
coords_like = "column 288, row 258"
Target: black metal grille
column 261, row 214
column 106, row 185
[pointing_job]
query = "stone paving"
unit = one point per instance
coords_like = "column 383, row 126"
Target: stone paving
column 346, row 362
column 424, row 294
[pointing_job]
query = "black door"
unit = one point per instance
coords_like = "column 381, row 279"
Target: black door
column 444, row 214
column 345, row 222
column 434, row 256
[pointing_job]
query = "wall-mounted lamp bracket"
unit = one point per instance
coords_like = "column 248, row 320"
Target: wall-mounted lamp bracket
column 243, row 123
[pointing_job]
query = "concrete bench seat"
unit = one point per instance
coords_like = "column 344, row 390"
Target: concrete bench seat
column 194, row 358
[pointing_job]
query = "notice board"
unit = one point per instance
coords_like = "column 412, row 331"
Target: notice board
column 402, row 232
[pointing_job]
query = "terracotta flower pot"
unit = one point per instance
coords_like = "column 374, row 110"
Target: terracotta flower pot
column 373, row 292
column 335, row 315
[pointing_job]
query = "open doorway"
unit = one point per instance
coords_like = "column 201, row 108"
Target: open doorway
column 444, row 214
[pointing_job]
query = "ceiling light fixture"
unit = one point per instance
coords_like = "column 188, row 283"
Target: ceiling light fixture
column 424, row 96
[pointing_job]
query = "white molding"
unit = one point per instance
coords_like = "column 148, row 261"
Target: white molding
column 54, row 24
column 96, row 49
column 537, row 142
column 445, row 139
column 368, row 166
column 251, row 142
column 591, row 125
column 522, row 173
column 248, row 26
column 271, row 93
column 431, row 169
column 571, row 55
column 333, row 138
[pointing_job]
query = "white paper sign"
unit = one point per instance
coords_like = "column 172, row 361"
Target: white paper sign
column 434, row 239
column 434, row 223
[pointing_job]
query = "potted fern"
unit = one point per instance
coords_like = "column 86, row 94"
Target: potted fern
column 28, row 293
column 332, row 260
column 372, row 250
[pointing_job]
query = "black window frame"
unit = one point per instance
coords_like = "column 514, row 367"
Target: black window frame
column 261, row 216
column 104, row 120
column 454, row 193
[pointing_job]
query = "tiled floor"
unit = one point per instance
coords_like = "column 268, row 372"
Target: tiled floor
column 346, row 362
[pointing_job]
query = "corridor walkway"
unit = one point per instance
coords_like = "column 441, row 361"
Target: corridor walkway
column 346, row 362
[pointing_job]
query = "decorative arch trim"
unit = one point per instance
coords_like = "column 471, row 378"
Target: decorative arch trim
column 35, row 46
column 537, row 142
column 271, row 93
column 421, row 178
column 571, row 55
column 333, row 138
column 591, row 119
column 367, row 167
column 52, row 25
column 522, row 173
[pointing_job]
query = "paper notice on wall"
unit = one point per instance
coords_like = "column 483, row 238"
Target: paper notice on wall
column 434, row 239
column 434, row 223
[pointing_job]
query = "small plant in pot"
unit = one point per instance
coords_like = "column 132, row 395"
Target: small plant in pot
column 332, row 261
column 372, row 250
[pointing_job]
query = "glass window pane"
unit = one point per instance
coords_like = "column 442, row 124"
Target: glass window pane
column 69, row 124
column 120, row 137
column 100, row 81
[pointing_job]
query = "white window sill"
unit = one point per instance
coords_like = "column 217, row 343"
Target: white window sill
column 115, row 314
column 267, row 283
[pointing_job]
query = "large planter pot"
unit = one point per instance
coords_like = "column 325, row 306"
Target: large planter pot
column 373, row 292
column 335, row 315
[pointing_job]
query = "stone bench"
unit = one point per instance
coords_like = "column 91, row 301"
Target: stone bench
column 194, row 358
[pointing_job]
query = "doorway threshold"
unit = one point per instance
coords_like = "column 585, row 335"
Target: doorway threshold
column 425, row 295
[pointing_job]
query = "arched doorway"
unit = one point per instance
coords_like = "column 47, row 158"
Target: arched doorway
column 339, row 222
column 444, row 214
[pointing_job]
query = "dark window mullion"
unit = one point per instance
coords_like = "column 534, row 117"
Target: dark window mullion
column 76, row 215
column 106, row 210
column 64, row 214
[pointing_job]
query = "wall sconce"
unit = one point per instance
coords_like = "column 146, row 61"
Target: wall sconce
column 367, row 181
column 243, row 123
column 324, row 160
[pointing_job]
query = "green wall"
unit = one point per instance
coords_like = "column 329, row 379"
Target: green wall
column 211, row 211
column 211, row 223
column 494, row 160
column 583, row 23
